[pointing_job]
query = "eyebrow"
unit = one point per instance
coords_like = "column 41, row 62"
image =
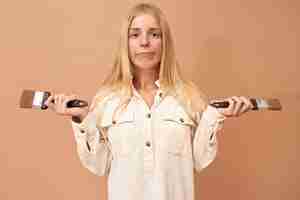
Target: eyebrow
column 138, row 29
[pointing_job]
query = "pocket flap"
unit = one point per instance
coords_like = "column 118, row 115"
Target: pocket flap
column 179, row 117
column 124, row 117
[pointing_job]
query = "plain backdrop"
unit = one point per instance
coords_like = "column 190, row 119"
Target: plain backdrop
column 232, row 47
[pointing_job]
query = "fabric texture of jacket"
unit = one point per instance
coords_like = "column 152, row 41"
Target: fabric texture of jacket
column 149, row 153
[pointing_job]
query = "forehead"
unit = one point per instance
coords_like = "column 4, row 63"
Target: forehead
column 144, row 21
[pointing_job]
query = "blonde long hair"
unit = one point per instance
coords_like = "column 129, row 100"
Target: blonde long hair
column 119, row 81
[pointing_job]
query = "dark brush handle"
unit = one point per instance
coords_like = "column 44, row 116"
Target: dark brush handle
column 225, row 104
column 76, row 103
column 71, row 104
column 220, row 104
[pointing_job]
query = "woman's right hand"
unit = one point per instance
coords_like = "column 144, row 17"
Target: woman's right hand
column 60, row 106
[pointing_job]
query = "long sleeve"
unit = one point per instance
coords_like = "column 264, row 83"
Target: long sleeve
column 205, row 139
column 93, row 151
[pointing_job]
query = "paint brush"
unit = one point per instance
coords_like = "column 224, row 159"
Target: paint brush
column 258, row 104
column 36, row 99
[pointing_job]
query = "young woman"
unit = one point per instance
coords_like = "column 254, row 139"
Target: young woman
column 147, row 128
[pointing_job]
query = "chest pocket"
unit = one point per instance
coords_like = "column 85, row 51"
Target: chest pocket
column 176, row 134
column 122, row 133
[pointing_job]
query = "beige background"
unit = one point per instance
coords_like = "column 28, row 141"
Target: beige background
column 230, row 47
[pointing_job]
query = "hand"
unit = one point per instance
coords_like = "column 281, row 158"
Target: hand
column 237, row 106
column 60, row 106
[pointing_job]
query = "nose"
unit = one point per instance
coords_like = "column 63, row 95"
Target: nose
column 144, row 40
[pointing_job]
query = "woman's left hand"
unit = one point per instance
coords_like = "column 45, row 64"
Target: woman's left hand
column 237, row 106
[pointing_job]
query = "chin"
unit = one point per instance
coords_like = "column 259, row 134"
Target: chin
column 144, row 65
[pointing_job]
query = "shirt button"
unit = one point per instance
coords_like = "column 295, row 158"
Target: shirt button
column 114, row 122
column 148, row 144
column 181, row 120
column 149, row 115
column 82, row 131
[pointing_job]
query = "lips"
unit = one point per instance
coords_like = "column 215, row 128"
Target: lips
column 145, row 53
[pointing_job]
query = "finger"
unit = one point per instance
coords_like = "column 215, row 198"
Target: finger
column 72, row 97
column 232, row 105
column 61, row 100
column 247, row 104
column 228, row 111
column 238, row 106
column 215, row 100
column 75, row 111
column 48, row 101
column 56, row 99
column 66, row 99
column 244, row 109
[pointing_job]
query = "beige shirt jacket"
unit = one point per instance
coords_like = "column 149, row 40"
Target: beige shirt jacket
column 154, row 150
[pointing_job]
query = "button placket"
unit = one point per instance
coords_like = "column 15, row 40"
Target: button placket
column 148, row 131
column 148, row 150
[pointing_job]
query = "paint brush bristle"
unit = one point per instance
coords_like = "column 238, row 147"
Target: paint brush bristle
column 26, row 99
column 33, row 99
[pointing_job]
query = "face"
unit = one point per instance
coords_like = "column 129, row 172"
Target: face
column 145, row 42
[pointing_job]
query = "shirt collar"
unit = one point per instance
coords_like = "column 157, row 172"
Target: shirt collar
column 136, row 94
column 157, row 83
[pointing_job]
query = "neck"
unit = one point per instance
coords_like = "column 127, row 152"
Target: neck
column 145, row 79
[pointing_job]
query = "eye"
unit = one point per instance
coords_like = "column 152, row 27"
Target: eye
column 156, row 35
column 133, row 35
